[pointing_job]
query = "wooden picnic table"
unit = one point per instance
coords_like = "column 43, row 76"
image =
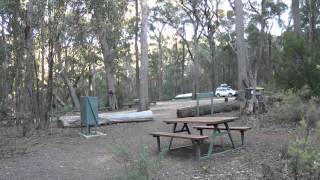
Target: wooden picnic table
column 210, row 121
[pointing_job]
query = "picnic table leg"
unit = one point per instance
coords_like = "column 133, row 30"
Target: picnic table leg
column 229, row 133
column 197, row 148
column 158, row 142
column 185, row 125
column 242, row 137
column 218, row 130
column 211, row 141
column 173, row 130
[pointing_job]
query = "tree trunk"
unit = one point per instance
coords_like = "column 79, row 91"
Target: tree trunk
column 213, row 64
column 196, row 65
column 136, row 33
column 143, row 100
column 48, row 102
column 28, row 103
column 243, row 81
column 312, row 24
column 176, row 67
column 53, row 46
column 159, row 70
column 295, row 11
column 183, row 60
column 92, row 72
column 259, row 61
column 72, row 91
column 113, row 102
column 18, row 53
column 42, row 45
column 93, row 81
column 241, row 45
column 268, row 57
column 4, row 90
column 311, row 37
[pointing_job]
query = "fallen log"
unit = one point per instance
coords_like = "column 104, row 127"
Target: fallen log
column 206, row 109
column 108, row 118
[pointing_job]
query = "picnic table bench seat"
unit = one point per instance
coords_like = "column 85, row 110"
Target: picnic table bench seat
column 179, row 135
column 239, row 128
column 196, row 139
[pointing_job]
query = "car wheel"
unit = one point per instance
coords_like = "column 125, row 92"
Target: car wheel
column 218, row 95
column 229, row 94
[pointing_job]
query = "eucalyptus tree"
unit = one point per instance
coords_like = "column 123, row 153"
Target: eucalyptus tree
column 179, row 15
column 29, row 91
column 77, row 43
column 191, row 9
column 171, row 13
column 14, row 9
column 56, row 15
column 241, row 45
column 262, row 14
column 157, row 26
column 108, row 18
column 212, row 15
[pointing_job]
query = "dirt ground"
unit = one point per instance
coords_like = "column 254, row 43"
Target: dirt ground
column 61, row 153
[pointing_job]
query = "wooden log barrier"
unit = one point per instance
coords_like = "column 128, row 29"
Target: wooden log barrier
column 206, row 109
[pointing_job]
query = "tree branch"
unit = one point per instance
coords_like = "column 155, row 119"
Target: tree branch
column 254, row 9
column 231, row 5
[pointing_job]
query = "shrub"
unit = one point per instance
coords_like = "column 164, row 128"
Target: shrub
column 304, row 155
column 312, row 113
column 137, row 166
column 294, row 107
column 291, row 108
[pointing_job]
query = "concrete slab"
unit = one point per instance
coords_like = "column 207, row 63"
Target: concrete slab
column 87, row 136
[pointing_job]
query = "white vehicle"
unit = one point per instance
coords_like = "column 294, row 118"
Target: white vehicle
column 225, row 91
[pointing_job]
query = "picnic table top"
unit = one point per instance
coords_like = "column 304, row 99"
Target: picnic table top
column 202, row 120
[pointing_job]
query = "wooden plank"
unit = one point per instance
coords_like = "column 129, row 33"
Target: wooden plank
column 223, row 128
column 202, row 120
column 236, row 128
column 179, row 135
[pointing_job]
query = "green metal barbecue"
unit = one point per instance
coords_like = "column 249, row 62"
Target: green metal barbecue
column 89, row 114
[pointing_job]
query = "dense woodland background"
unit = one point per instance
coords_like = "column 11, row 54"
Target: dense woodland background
column 54, row 51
